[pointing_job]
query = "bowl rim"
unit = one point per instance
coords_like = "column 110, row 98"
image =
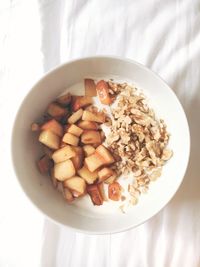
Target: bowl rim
column 43, row 77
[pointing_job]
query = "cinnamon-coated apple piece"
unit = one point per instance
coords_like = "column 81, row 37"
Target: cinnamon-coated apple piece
column 64, row 99
column 49, row 139
column 64, row 153
column 88, row 150
column 87, row 175
column 93, row 162
column 70, row 139
column 105, row 173
column 44, row 164
column 90, row 87
column 54, row 126
column 88, row 125
column 56, row 111
column 75, row 116
column 76, row 184
column 105, row 154
column 91, row 137
column 114, row 191
column 64, row 170
column 75, row 130
column 95, row 116
column 95, row 194
column 80, row 102
column 78, row 158
column 67, row 194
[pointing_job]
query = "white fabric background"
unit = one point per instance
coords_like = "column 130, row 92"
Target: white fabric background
column 36, row 36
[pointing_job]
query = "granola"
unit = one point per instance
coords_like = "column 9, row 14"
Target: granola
column 138, row 137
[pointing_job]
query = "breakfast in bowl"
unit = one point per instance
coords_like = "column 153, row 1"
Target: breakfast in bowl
column 93, row 143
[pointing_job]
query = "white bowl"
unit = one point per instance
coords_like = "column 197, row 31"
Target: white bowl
column 83, row 216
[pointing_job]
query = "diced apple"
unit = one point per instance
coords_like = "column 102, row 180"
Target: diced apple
column 64, row 170
column 70, row 139
column 90, row 87
column 80, row 102
column 111, row 179
column 60, row 187
column 87, row 175
column 53, row 126
column 56, row 111
column 114, row 191
column 49, row 139
column 75, row 130
column 75, row 116
column 44, row 164
column 77, row 184
column 67, row 194
column 93, row 162
column 105, row 154
column 66, row 127
column 62, row 144
column 96, row 144
column 103, row 92
column 64, row 99
column 95, row 194
column 53, row 179
column 97, row 116
column 88, row 150
column 78, row 158
column 48, row 151
column 88, row 125
column 35, row 127
column 102, row 136
column 105, row 173
column 102, row 191
column 63, row 154
column 91, row 137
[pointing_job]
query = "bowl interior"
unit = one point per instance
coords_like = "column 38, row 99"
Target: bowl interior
column 81, row 216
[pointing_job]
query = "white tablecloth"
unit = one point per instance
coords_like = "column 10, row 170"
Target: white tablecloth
column 36, row 36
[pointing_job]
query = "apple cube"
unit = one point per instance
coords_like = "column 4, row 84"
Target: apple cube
column 53, row 179
column 35, row 127
column 64, row 99
column 78, row 158
column 95, row 116
column 105, row 154
column 93, row 162
column 91, row 137
column 49, row 139
column 60, row 187
column 70, row 139
column 81, row 101
column 56, row 111
column 75, row 116
column 95, row 194
column 53, row 126
column 111, row 179
column 67, row 194
column 44, row 164
column 76, row 184
column 114, row 191
column 90, row 87
column 48, row 151
column 87, row 175
column 102, row 191
column 105, row 173
column 63, row 154
column 64, row 170
column 88, row 150
column 75, row 130
column 88, row 125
